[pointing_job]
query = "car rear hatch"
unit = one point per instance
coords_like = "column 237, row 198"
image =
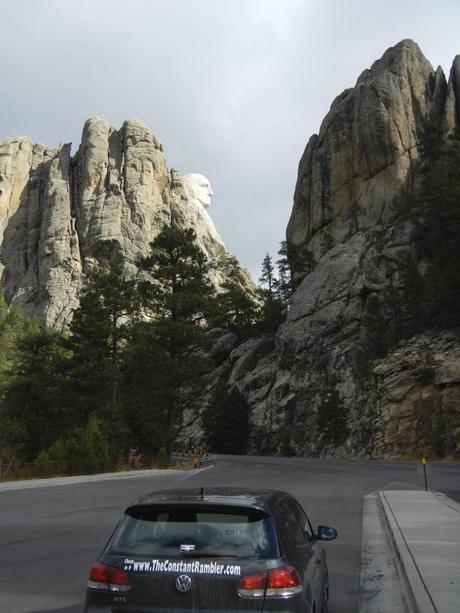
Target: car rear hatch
column 189, row 558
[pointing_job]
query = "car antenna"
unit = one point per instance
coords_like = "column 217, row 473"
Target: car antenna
column 202, row 493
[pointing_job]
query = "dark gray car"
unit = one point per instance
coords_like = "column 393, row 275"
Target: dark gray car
column 219, row 549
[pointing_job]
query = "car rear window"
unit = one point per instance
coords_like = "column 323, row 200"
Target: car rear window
column 195, row 532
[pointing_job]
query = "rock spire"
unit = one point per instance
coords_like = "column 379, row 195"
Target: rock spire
column 318, row 386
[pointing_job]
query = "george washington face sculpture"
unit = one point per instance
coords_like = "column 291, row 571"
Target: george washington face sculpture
column 198, row 189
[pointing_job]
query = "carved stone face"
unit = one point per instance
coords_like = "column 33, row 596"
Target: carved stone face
column 198, row 188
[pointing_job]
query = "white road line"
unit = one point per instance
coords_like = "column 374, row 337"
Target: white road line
column 198, row 470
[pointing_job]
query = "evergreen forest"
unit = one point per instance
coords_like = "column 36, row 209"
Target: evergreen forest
column 114, row 386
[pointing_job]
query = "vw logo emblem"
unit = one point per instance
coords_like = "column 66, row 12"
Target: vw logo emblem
column 183, row 583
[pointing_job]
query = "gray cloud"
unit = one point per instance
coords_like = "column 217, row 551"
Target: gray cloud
column 233, row 88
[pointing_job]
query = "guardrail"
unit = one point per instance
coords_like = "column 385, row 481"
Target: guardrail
column 193, row 460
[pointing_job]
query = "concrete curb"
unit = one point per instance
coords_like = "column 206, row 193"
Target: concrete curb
column 455, row 506
column 420, row 597
column 11, row 486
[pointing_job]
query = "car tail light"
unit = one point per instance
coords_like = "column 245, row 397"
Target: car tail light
column 280, row 582
column 283, row 582
column 252, row 586
column 103, row 577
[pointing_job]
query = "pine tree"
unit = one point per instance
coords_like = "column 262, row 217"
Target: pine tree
column 35, row 398
column 440, row 228
column 236, row 310
column 81, row 450
column 13, row 326
column 283, row 284
column 179, row 288
column 159, row 380
column 99, row 331
column 178, row 297
column 273, row 310
column 226, row 421
column 144, row 379
column 267, row 278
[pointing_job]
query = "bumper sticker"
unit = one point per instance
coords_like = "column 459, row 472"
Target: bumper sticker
column 181, row 566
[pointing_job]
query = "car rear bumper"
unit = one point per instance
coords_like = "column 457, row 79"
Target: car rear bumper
column 100, row 603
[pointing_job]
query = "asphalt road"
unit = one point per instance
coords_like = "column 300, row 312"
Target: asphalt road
column 49, row 536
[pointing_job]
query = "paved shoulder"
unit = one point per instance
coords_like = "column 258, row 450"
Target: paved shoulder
column 382, row 585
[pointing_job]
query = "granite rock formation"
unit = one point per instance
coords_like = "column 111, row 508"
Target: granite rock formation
column 316, row 388
column 61, row 214
column 352, row 172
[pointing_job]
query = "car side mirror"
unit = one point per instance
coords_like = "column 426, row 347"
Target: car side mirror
column 326, row 534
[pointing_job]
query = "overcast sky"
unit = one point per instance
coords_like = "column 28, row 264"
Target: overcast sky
column 232, row 88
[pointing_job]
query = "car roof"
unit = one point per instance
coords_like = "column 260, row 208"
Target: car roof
column 263, row 499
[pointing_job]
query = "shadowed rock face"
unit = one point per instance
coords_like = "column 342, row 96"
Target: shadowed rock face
column 60, row 214
column 348, row 240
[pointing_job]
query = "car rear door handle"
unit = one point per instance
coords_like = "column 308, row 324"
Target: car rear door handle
column 318, row 561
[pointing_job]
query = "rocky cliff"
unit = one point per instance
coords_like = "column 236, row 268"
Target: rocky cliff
column 60, row 214
column 319, row 386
